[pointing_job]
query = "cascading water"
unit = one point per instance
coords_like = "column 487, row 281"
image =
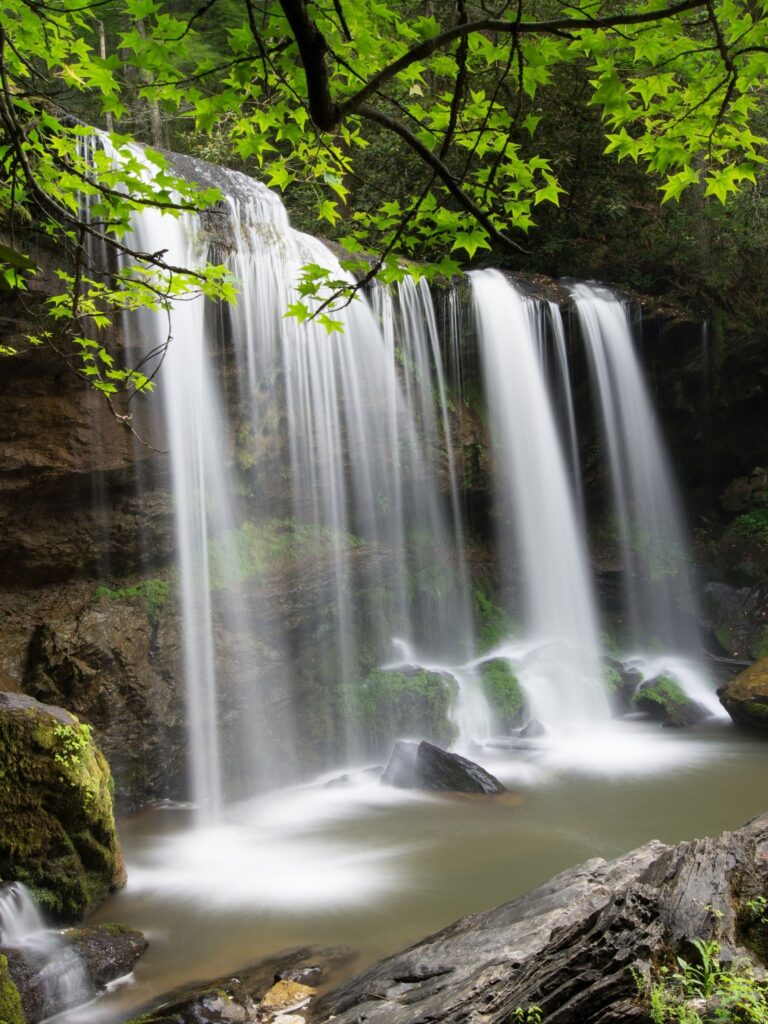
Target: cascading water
column 659, row 598
column 563, row 684
column 53, row 969
column 358, row 425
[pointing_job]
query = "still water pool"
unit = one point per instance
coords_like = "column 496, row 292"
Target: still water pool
column 375, row 868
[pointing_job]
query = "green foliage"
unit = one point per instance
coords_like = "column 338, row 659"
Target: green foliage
column 753, row 524
column 527, row 1015
column 153, row 592
column 504, row 694
column 434, row 126
column 708, row 989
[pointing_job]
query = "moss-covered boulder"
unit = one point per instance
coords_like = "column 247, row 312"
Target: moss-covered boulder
column 745, row 698
column 621, row 683
column 504, row 695
column 58, row 829
column 408, row 702
column 11, row 1010
column 664, row 700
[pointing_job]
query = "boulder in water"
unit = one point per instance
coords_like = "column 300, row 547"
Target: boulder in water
column 745, row 698
column 665, row 701
column 108, row 951
column 425, row 766
column 58, row 835
column 533, row 729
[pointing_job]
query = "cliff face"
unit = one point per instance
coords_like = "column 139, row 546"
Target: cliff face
column 88, row 613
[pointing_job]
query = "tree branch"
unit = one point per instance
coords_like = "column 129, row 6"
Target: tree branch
column 429, row 46
column 442, row 172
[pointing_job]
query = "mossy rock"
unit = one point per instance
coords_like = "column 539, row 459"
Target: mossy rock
column 504, row 695
column 745, row 698
column 664, row 700
column 411, row 702
column 11, row 1011
column 621, row 683
column 56, row 806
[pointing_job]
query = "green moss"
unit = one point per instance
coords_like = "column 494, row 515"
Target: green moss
column 753, row 524
column 58, row 834
column 504, row 694
column 664, row 691
column 612, row 679
column 494, row 625
column 11, row 1010
column 388, row 705
column 761, row 651
column 153, row 592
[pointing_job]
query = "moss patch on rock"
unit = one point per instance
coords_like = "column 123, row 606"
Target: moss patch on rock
column 664, row 699
column 412, row 702
column 11, row 1011
column 504, row 694
column 745, row 698
column 56, row 805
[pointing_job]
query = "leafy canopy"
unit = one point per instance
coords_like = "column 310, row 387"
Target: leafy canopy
column 303, row 93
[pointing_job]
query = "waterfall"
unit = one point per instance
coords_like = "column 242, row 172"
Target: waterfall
column 563, row 685
column 292, row 448
column 54, row 969
column 660, row 603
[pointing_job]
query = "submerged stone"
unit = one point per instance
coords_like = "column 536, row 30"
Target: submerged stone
column 56, row 806
column 745, row 698
column 425, row 766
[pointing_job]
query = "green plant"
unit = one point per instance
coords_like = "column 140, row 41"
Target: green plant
column 527, row 1015
column 724, row 993
column 154, row 592
column 752, row 524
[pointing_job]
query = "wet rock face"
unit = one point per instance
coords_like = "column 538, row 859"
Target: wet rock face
column 738, row 619
column 745, row 698
column 58, row 834
column 574, row 946
column 425, row 766
column 101, row 955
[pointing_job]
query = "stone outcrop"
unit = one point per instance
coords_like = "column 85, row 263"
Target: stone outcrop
column 580, row 947
column 425, row 766
column 745, row 698
column 103, row 954
column 58, row 830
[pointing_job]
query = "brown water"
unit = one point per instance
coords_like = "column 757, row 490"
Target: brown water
column 376, row 869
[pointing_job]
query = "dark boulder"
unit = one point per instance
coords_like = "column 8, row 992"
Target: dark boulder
column 425, row 766
column 55, row 971
column 108, row 951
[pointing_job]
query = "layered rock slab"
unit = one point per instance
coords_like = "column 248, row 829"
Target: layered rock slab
column 576, row 947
